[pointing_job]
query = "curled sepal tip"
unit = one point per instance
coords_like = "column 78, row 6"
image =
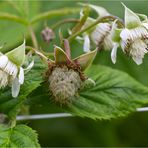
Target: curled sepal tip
column 86, row 59
column 17, row 55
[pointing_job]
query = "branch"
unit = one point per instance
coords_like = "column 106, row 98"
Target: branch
column 12, row 17
column 54, row 13
column 100, row 20
column 43, row 116
column 58, row 115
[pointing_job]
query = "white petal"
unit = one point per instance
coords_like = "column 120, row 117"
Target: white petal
column 21, row 76
column 3, row 79
column 125, row 34
column 29, row 67
column 69, row 32
column 114, row 52
column 15, row 87
column 3, row 61
column 100, row 32
column 138, row 60
column 145, row 25
column 86, row 45
column 11, row 69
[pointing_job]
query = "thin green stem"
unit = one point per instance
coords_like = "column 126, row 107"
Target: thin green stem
column 61, row 22
column 82, row 21
column 41, row 54
column 11, row 17
column 54, row 13
column 100, row 20
column 33, row 37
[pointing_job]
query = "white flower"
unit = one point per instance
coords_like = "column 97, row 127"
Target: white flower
column 134, row 37
column 134, row 42
column 10, row 74
column 11, row 71
column 102, row 36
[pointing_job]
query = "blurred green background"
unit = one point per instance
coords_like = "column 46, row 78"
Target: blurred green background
column 74, row 131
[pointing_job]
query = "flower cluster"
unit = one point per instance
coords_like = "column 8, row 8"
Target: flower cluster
column 132, row 37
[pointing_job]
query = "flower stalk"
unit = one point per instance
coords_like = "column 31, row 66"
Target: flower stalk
column 99, row 20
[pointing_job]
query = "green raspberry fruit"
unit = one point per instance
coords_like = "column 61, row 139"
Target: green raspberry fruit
column 64, row 83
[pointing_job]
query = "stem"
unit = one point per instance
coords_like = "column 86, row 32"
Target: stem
column 37, row 52
column 43, row 116
column 143, row 109
column 12, row 17
column 82, row 21
column 100, row 20
column 54, row 13
column 33, row 37
column 59, row 23
column 58, row 115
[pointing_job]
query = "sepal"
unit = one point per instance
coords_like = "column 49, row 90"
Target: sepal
column 86, row 59
column 131, row 19
column 60, row 56
column 17, row 55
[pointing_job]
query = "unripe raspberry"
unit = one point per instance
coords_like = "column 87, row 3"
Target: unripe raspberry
column 64, row 83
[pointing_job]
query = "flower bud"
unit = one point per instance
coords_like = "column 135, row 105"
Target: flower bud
column 101, row 36
column 47, row 34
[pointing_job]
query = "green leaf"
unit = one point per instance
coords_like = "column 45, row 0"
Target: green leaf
column 14, row 23
column 19, row 136
column 86, row 59
column 33, row 78
column 17, row 55
column 115, row 94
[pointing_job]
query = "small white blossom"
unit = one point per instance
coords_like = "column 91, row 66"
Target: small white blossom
column 86, row 45
column 134, row 38
column 9, row 72
column 102, row 36
column 134, row 42
column 114, row 52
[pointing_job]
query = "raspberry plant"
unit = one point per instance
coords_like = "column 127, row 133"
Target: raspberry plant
column 76, row 85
